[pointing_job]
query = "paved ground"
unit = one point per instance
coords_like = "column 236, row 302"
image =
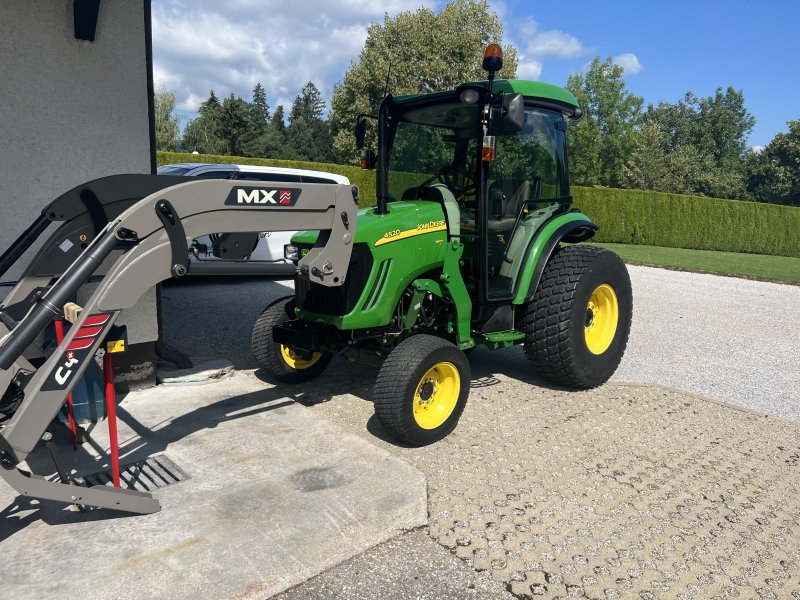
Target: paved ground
column 631, row 490
column 732, row 339
column 275, row 495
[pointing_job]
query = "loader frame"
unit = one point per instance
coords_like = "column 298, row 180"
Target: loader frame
column 147, row 242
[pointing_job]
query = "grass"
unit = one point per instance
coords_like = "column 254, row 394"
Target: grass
column 780, row 269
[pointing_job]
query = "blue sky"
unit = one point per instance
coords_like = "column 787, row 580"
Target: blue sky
column 667, row 48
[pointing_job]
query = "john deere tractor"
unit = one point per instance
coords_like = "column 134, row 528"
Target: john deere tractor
column 472, row 242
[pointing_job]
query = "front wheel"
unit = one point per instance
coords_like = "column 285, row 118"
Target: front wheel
column 281, row 362
column 422, row 389
column 577, row 325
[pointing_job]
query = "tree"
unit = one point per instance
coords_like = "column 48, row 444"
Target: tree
column 233, row 122
column 603, row 140
column 775, row 172
column 258, row 140
column 307, row 105
column 653, row 165
column 278, row 122
column 427, row 52
column 259, row 109
column 716, row 130
column 308, row 135
column 166, row 121
column 203, row 133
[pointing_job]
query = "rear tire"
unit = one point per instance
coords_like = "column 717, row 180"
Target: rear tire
column 422, row 389
column 284, row 363
column 577, row 325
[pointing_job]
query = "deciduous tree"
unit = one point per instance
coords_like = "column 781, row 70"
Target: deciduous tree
column 603, row 140
column 716, row 129
column 166, row 120
column 775, row 172
column 426, row 51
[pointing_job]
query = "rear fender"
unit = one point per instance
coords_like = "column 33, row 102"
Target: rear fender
column 570, row 227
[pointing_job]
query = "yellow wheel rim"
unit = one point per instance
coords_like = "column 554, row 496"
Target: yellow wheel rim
column 602, row 316
column 296, row 360
column 437, row 395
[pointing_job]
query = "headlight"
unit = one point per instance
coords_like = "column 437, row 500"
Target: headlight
column 291, row 252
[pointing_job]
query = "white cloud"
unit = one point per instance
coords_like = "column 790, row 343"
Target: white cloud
column 629, row 63
column 199, row 45
column 534, row 45
column 529, row 69
column 556, row 43
column 758, row 149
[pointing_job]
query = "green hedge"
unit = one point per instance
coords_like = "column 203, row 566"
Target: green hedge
column 624, row 216
column 673, row 220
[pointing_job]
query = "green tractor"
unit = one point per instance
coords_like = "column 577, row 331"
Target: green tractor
column 472, row 242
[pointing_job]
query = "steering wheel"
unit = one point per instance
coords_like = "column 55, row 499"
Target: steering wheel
column 448, row 175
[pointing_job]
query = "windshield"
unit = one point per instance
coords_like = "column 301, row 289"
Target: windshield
column 433, row 145
column 532, row 157
column 174, row 169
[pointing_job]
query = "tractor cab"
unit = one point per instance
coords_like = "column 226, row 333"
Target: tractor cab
column 493, row 154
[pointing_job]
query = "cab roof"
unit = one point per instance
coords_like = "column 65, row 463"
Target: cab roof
column 537, row 90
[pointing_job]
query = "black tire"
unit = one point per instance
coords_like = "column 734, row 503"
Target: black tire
column 272, row 357
column 416, row 364
column 559, row 319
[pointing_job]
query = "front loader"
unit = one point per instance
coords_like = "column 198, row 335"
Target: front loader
column 472, row 243
column 150, row 221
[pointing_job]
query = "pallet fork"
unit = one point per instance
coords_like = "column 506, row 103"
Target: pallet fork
column 146, row 243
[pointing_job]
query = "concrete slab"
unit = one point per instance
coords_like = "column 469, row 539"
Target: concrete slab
column 275, row 495
column 202, row 372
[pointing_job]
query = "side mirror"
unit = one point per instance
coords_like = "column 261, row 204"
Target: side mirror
column 509, row 117
column 368, row 158
column 513, row 112
column 360, row 132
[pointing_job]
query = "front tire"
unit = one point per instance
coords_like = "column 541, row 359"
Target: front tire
column 577, row 325
column 422, row 389
column 284, row 363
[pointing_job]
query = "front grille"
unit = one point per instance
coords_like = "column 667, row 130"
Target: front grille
column 340, row 300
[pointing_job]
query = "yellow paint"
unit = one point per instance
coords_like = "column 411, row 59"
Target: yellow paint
column 443, row 383
column 295, row 361
column 422, row 228
column 602, row 317
column 115, row 346
column 152, row 556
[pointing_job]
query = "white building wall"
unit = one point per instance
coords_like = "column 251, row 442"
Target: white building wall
column 70, row 111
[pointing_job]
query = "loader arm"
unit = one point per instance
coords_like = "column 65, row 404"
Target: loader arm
column 148, row 244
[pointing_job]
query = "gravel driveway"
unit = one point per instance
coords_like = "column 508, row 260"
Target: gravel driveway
column 629, row 490
column 732, row 339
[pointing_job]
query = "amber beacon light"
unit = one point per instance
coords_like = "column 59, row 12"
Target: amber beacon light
column 493, row 58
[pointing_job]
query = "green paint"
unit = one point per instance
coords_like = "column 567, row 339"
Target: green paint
column 535, row 255
column 500, row 339
column 531, row 89
column 409, row 258
column 454, row 284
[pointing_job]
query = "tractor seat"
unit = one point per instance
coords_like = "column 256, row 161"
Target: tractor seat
column 439, row 192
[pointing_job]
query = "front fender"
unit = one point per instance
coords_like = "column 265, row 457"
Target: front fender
column 569, row 227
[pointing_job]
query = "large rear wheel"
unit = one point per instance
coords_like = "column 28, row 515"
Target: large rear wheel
column 577, row 325
column 422, row 389
column 281, row 362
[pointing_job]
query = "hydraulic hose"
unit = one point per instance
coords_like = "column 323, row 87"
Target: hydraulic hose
column 50, row 305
